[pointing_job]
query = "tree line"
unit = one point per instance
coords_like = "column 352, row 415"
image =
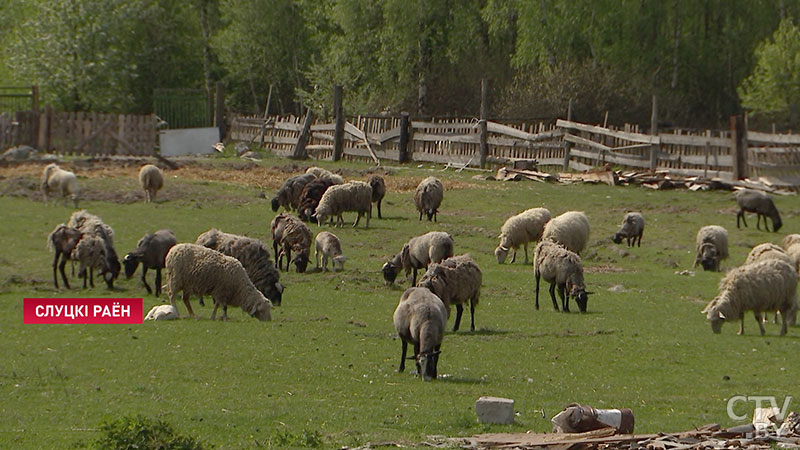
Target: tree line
column 704, row 59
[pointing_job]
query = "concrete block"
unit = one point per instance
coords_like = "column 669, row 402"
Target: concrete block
column 495, row 410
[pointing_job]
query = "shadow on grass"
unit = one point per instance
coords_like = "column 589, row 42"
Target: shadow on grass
column 480, row 332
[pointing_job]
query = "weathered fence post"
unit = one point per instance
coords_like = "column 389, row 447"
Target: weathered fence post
column 44, row 129
column 403, row 144
column 266, row 115
column 35, row 98
column 219, row 115
column 338, row 131
column 654, row 147
column 484, row 117
column 567, row 144
column 300, row 147
column 739, row 147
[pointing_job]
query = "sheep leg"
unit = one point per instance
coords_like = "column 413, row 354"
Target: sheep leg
column 525, row 247
column 188, row 305
column 85, row 277
column 214, row 312
column 784, row 320
column 537, row 275
column 90, row 270
column 379, row 209
column 564, row 298
column 403, row 356
column 459, row 311
column 325, row 263
column 358, row 218
column 225, row 313
column 416, row 358
column 288, row 252
column 758, row 316
column 420, row 215
column 514, row 255
column 640, row 238
column 158, row 283
column 144, row 280
column 472, row 312
column 740, row 215
column 275, row 250
column 741, row 326
column 553, row 295
column 369, row 215
column 758, row 221
column 414, row 279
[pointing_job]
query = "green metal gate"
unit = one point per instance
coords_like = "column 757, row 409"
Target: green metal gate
column 183, row 108
column 18, row 98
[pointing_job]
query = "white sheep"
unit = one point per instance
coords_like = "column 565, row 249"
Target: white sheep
column 760, row 203
column 378, row 191
column 762, row 252
column 152, row 180
column 327, row 245
column 561, row 268
column 197, row 270
column 632, row 228
column 711, row 247
column 162, row 312
column 56, row 180
column 794, row 252
column 455, row 280
column 521, row 229
column 570, row 229
column 291, row 234
column 428, row 197
column 418, row 253
column 325, row 174
column 151, row 251
column 92, row 225
column 760, row 287
column 352, row 196
column 790, row 240
column 420, row 319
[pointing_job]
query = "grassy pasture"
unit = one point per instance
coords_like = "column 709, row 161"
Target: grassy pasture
column 323, row 371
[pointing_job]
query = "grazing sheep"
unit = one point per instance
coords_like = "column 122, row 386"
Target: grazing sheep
column 310, row 197
column 790, row 240
column 288, row 195
column 152, row 180
column 762, row 252
column 352, row 196
column 328, row 245
column 632, row 228
column 570, row 229
column 455, row 280
column 525, row 227
column 760, row 287
column 325, row 174
column 254, row 256
column 418, row 253
column 91, row 253
column 62, row 240
column 56, row 180
column 560, row 267
column 93, row 226
column 290, row 233
column 420, row 319
column 760, row 203
column 378, row 191
column 428, row 197
column 151, row 251
column 711, row 247
column 794, row 252
column 197, row 270
column 162, row 312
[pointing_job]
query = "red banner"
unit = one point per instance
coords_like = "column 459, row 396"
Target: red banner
column 82, row 310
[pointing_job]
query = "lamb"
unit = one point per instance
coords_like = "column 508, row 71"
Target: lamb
column 325, row 174
column 760, row 203
column 455, row 280
column 560, row 267
column 310, row 197
column 378, row 191
column 570, row 229
column 162, row 312
column 632, row 228
column 711, row 247
column 420, row 319
column 56, row 180
column 328, row 245
column 762, row 252
column 525, row 227
column 763, row 286
column 152, row 180
column 418, row 253
column 289, row 233
column 151, row 251
column 69, row 243
column 197, row 270
column 428, row 197
column 352, row 196
column 288, row 195
column 94, row 226
column 91, row 253
column 254, row 256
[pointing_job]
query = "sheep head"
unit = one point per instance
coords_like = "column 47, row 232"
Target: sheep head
column 426, row 364
column 338, row 262
column 301, row 262
column 578, row 293
column 501, row 253
column 131, row 262
column 261, row 309
column 390, row 271
column 617, row 237
column 276, row 293
column 708, row 256
column 275, row 204
column 715, row 317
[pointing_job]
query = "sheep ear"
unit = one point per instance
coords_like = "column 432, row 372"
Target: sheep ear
column 721, row 316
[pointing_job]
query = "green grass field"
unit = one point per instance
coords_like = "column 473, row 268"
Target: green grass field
column 324, row 370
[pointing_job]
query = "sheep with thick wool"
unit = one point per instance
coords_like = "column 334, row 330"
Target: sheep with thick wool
column 561, row 268
column 428, row 197
column 378, row 186
column 63, row 183
column 521, row 229
column 456, row 281
column 762, row 252
column 790, row 240
column 352, row 196
column 570, row 229
column 328, row 246
column 769, row 285
column 152, row 180
column 711, row 247
column 290, row 234
column 91, row 254
column 151, row 252
column 632, row 228
column 418, row 253
column 325, row 174
column 196, row 270
column 92, row 225
column 420, row 320
column 70, row 244
column 254, row 256
column 288, row 195
column 750, row 200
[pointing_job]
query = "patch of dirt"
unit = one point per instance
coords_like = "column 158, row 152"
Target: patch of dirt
column 604, row 268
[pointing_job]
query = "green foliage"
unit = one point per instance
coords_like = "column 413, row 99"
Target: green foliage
column 142, row 433
column 284, row 438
